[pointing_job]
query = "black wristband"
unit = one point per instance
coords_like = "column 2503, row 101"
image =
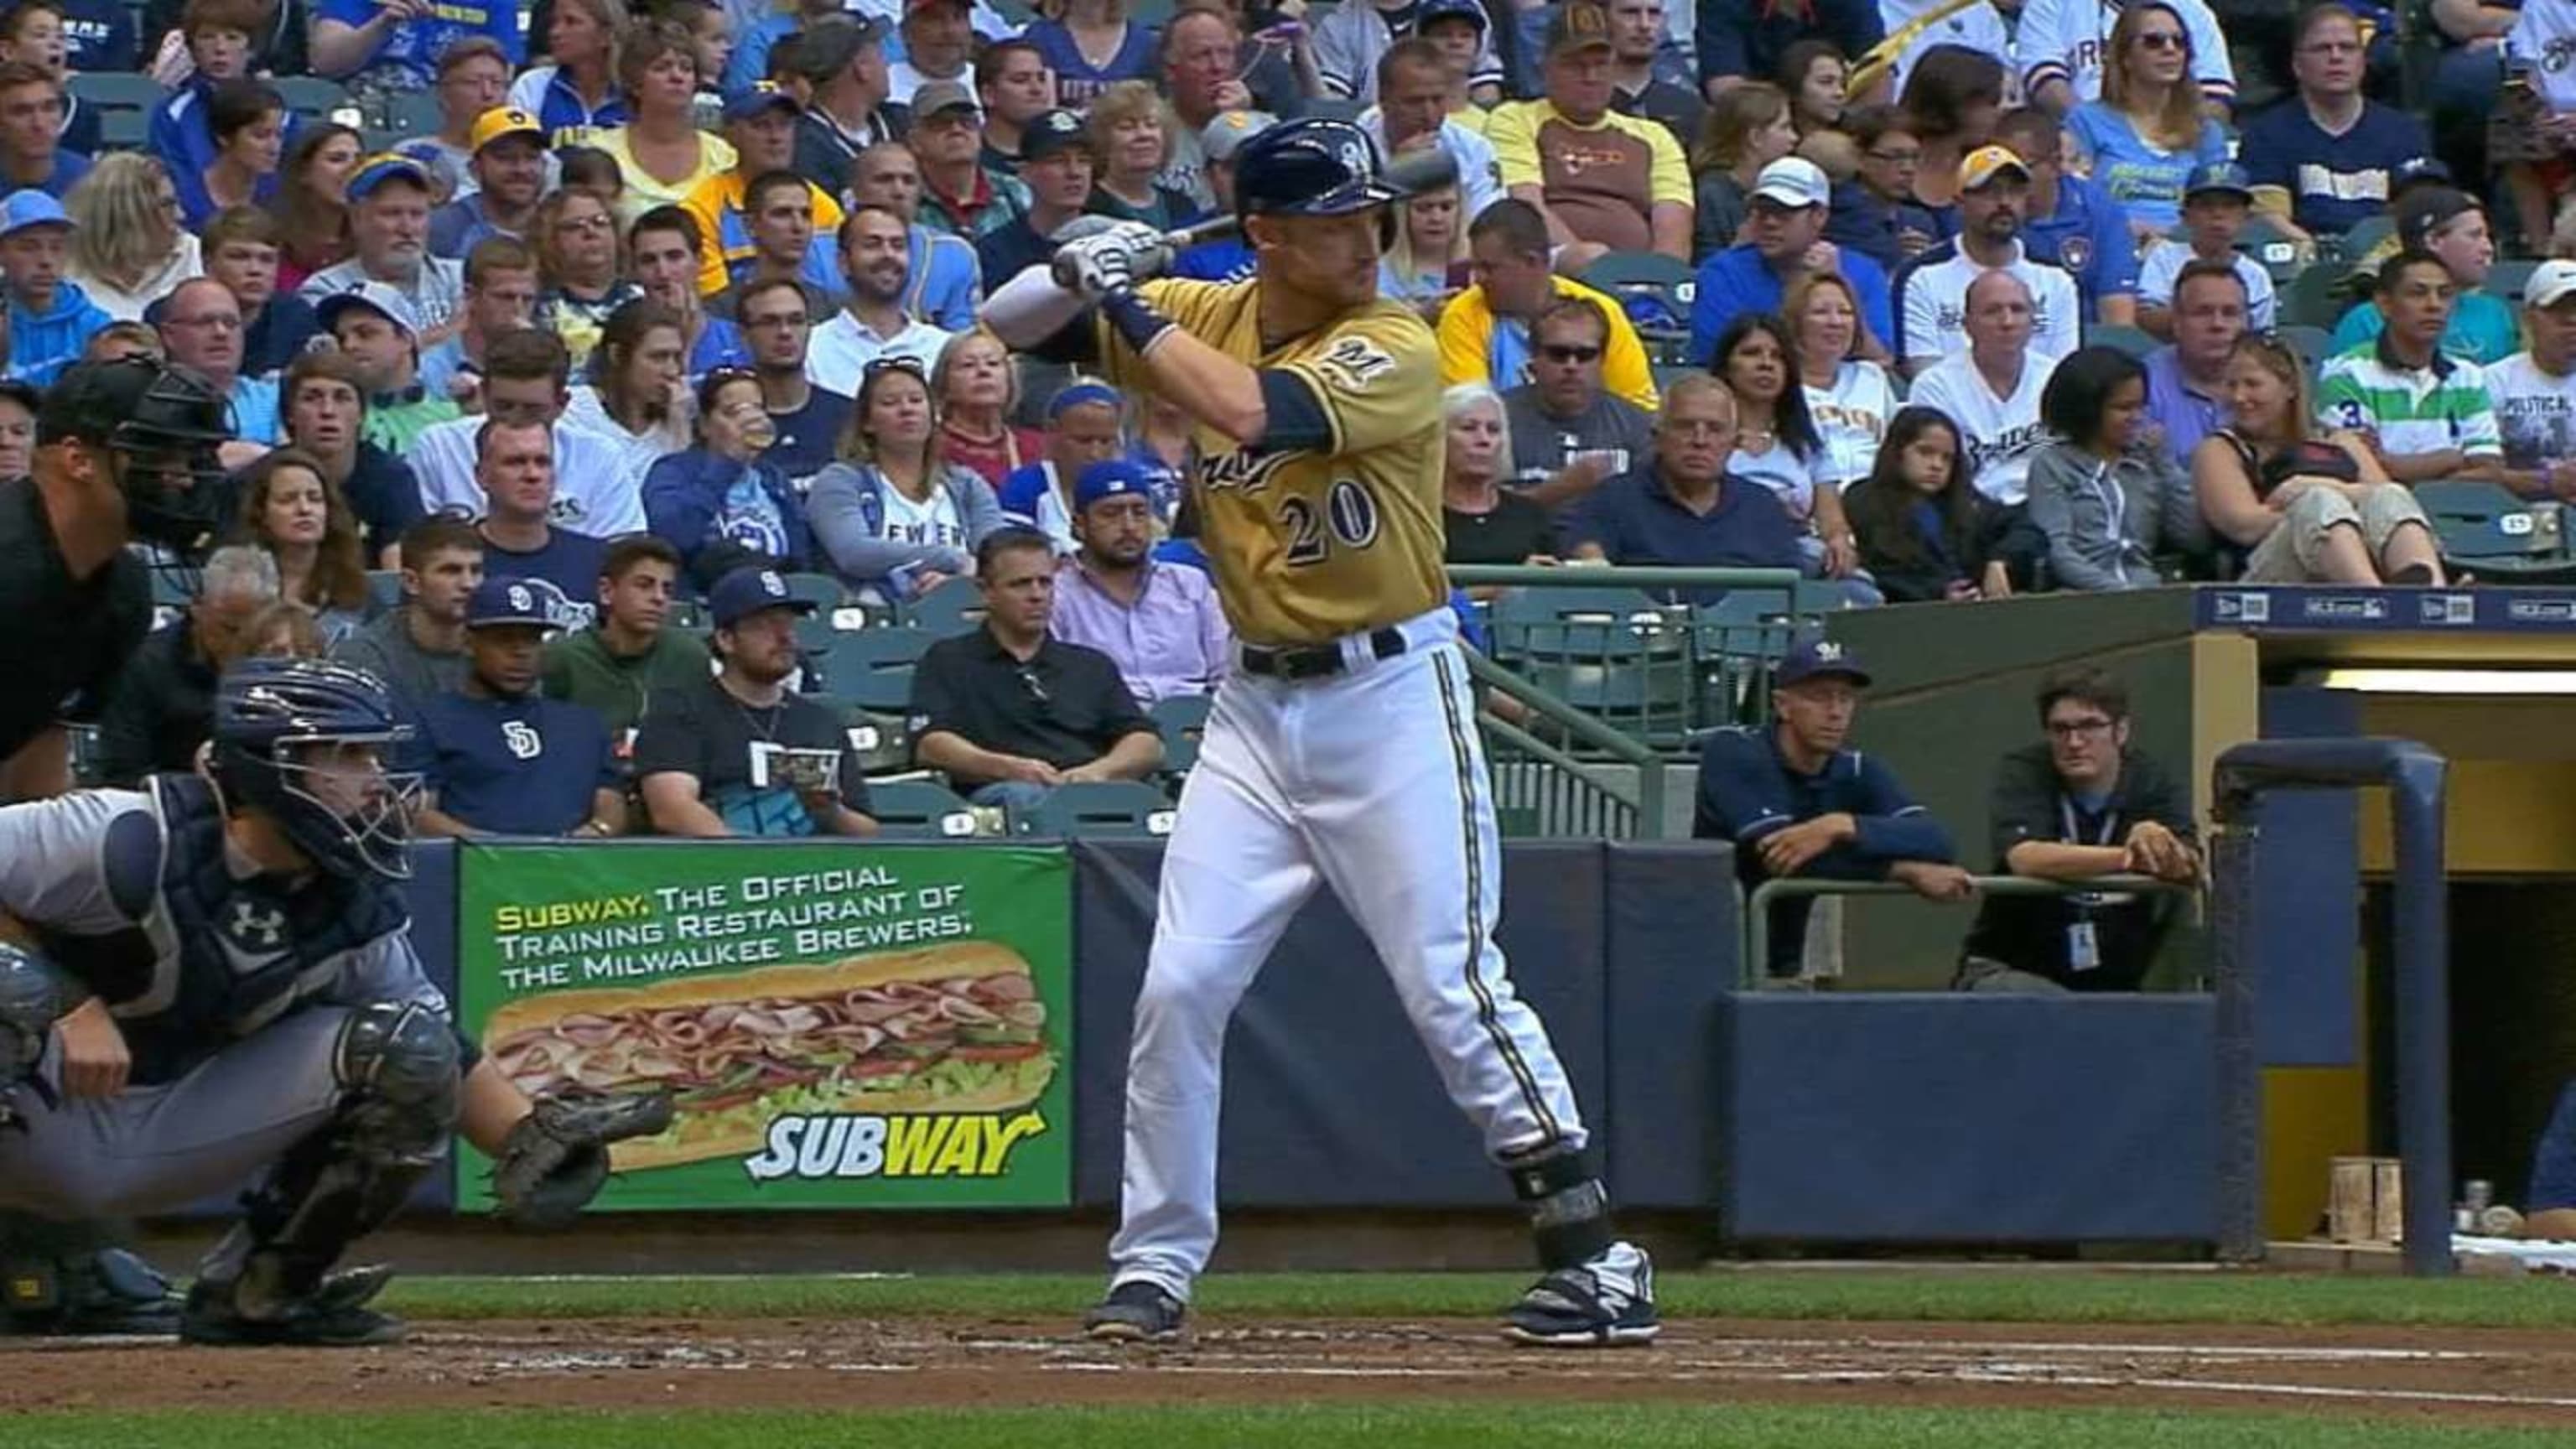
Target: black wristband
column 1135, row 318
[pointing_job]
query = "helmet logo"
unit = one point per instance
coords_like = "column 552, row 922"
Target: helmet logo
column 1355, row 158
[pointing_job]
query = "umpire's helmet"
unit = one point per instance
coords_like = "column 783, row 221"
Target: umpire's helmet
column 161, row 423
column 1309, row 168
column 270, row 714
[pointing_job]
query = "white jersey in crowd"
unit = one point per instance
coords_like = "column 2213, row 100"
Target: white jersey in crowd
column 636, row 452
column 595, row 492
column 2544, row 39
column 1480, row 171
column 1931, row 304
column 932, row 522
column 1851, row 416
column 838, row 357
column 2535, row 411
column 2165, row 262
column 2002, row 434
column 1978, row 27
column 437, row 291
column 2066, row 40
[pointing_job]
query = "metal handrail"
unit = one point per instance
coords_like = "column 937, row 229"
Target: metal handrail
column 1617, row 576
column 1584, row 730
column 1757, row 906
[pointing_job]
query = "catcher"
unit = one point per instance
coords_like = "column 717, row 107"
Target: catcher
column 211, row 979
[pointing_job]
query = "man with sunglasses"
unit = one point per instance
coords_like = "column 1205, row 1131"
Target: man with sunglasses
column 1342, row 747
column 1569, row 435
column 2081, row 805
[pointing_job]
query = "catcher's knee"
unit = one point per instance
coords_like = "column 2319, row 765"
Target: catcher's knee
column 31, row 997
column 398, row 1065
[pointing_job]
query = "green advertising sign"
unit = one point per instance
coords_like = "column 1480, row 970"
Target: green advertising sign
column 842, row 1027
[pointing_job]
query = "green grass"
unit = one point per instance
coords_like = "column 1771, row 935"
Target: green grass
column 1999, row 1295
column 1408, row 1426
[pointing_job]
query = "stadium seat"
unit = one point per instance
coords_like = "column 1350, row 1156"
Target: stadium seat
column 919, row 810
column 691, row 615
column 872, row 668
column 2315, row 298
column 124, row 103
column 317, row 99
column 1107, row 807
column 2500, row 536
column 2311, row 343
column 1614, row 654
column 2132, row 340
column 954, row 607
column 412, row 113
column 1735, row 641
column 1182, row 721
column 821, row 590
column 2506, row 279
column 2366, row 234
column 2271, row 250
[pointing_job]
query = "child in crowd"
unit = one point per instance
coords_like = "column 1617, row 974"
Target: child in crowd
column 2215, row 206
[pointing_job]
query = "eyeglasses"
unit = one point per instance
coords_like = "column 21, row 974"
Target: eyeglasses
column 2078, row 729
column 585, row 224
column 2163, row 40
column 1554, row 353
column 1896, row 158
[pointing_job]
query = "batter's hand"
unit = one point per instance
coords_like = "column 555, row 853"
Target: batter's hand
column 1786, row 849
column 1119, row 255
column 95, row 1061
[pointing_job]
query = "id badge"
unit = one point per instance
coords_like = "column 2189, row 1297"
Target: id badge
column 2083, row 951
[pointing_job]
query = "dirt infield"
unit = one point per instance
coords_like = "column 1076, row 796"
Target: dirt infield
column 2483, row 1376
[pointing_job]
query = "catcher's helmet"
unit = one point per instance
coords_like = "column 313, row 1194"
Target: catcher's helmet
column 159, row 421
column 1309, row 168
column 268, row 714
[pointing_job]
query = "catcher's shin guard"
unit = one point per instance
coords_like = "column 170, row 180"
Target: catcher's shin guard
column 31, row 997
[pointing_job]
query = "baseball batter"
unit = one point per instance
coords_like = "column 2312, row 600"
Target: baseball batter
column 1343, row 750
column 212, row 979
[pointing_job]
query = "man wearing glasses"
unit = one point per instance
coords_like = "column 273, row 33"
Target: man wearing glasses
column 201, row 327
column 2081, row 805
column 1568, row 433
column 2328, row 159
column 777, row 326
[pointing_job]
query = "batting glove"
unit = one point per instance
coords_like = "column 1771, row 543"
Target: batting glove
column 1115, row 257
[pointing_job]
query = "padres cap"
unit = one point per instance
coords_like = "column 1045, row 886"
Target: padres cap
column 505, row 601
column 1986, row 163
column 1049, row 133
column 1820, row 659
column 380, row 298
column 1794, row 182
column 502, row 121
column 1578, row 25
column 748, row 591
column 1222, row 137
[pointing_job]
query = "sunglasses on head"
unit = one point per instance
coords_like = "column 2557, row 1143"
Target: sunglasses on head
column 879, row 366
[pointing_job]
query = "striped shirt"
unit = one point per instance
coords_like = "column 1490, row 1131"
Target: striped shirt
column 2412, row 410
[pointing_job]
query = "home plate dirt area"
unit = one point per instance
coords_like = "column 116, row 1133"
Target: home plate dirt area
column 2455, row 1376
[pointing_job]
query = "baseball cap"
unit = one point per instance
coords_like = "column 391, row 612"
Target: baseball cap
column 1222, row 137
column 1468, row 10
column 376, row 170
column 30, row 207
column 1081, row 394
column 1048, row 133
column 2219, row 178
column 758, row 98
column 2552, row 282
column 380, row 298
column 1577, row 25
column 1986, row 163
column 505, row 600
column 502, row 121
column 2430, row 209
column 825, row 50
column 1111, row 478
column 1794, row 182
column 935, row 97
column 2417, row 172
column 1818, row 659
column 747, row 591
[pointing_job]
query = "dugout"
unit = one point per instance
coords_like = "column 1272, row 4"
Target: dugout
column 2487, row 678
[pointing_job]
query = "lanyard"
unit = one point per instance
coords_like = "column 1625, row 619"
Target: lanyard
column 2074, row 833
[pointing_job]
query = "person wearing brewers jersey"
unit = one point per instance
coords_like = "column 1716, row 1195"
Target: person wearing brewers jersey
column 1991, row 388
column 1931, row 291
column 1320, row 442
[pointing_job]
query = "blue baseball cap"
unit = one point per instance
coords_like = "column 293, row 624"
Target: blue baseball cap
column 758, row 98
column 2219, row 178
column 1082, row 394
column 504, row 601
column 1469, row 10
column 1112, row 478
column 30, row 207
column 376, row 170
column 1815, row 658
column 749, row 590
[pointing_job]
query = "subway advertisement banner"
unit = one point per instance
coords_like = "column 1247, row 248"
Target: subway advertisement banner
column 843, row 1027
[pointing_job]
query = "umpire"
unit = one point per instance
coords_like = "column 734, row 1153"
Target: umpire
column 125, row 453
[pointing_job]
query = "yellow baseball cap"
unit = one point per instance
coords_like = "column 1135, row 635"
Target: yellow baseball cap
column 502, row 121
column 1988, row 162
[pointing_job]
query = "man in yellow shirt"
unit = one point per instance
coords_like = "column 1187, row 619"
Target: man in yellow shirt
column 1604, row 181
column 1484, row 332
column 761, row 124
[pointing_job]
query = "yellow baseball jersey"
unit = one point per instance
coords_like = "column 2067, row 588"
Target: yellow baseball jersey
column 1310, row 546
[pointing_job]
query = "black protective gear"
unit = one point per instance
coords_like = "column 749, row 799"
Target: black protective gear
column 1569, row 1208
column 31, row 997
column 160, row 424
column 214, row 1318
column 70, row 1279
column 268, row 712
column 556, row 1159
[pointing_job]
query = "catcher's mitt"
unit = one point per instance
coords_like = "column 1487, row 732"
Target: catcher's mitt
column 556, row 1159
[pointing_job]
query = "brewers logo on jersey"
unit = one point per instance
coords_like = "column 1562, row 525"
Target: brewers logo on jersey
column 1310, row 546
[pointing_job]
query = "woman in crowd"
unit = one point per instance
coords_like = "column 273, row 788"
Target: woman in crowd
column 1484, row 522
column 1926, row 534
column 2307, row 507
column 1848, row 398
column 248, row 121
column 2142, row 140
column 978, row 388
column 18, row 403
column 1777, row 446
column 577, row 95
column 2107, row 497
column 1429, row 242
column 660, row 150
column 1748, row 128
column 290, row 508
column 893, row 517
column 1130, row 145
column 722, row 504
column 579, row 269
column 286, row 630
column 1089, row 46
column 638, row 395
column 128, row 249
column 1875, row 213
column 1812, row 74
column 312, row 204
column 1953, row 97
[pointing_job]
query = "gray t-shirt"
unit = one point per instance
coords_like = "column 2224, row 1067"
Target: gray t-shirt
column 385, row 649
column 1542, row 444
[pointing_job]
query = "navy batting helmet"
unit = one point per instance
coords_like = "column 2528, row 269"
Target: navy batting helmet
column 1309, row 168
column 273, row 717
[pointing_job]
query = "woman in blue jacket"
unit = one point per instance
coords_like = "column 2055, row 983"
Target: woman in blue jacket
column 721, row 504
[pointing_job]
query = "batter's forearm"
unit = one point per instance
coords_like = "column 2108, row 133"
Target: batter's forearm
column 1208, row 385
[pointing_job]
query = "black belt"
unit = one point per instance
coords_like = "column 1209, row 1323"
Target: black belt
column 1315, row 661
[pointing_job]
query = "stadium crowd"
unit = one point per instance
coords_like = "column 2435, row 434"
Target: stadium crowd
column 596, row 324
